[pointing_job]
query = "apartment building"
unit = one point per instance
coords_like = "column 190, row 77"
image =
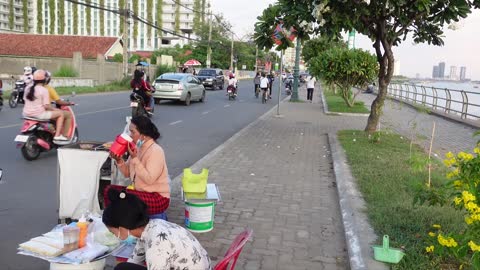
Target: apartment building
column 66, row 18
column 16, row 18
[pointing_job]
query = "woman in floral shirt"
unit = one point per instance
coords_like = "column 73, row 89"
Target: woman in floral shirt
column 161, row 245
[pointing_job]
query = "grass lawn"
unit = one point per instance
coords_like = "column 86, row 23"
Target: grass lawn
column 388, row 183
column 337, row 104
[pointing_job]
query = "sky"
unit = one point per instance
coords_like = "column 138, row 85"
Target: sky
column 460, row 49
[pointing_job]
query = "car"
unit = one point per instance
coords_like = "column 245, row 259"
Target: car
column 211, row 78
column 178, row 86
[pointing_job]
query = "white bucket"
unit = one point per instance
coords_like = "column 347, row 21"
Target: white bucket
column 96, row 265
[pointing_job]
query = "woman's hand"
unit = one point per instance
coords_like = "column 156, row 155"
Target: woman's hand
column 132, row 151
column 117, row 158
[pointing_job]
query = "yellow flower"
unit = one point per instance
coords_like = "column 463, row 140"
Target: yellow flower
column 456, row 183
column 436, row 226
column 465, row 156
column 449, row 162
column 457, row 201
column 468, row 220
column 471, row 206
column 449, row 155
column 474, row 247
column 446, row 242
column 476, row 150
column 467, row 197
column 429, row 249
column 432, row 234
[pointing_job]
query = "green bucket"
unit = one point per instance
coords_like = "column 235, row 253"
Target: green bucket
column 199, row 216
column 386, row 254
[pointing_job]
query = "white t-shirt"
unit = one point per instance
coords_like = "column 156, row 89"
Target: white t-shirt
column 232, row 81
column 311, row 82
column 264, row 82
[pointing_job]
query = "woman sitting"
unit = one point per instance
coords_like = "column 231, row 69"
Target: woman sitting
column 159, row 244
column 140, row 87
column 146, row 166
column 37, row 104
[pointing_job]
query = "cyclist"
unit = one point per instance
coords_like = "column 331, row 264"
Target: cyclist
column 264, row 83
column 256, row 81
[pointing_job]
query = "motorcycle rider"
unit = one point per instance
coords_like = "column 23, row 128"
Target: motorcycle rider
column 264, row 83
column 27, row 78
column 232, row 83
column 54, row 97
column 37, row 105
column 140, row 87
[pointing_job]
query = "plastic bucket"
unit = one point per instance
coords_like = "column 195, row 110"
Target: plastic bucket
column 120, row 145
column 199, row 216
column 96, row 265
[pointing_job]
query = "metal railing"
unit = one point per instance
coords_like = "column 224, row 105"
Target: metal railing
column 465, row 104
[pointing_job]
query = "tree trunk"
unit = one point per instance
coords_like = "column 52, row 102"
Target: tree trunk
column 385, row 73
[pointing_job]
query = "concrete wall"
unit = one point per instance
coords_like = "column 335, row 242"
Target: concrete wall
column 97, row 70
column 9, row 83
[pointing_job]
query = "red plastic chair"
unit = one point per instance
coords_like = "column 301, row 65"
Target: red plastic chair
column 234, row 251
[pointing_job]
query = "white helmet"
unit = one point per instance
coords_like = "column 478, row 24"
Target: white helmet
column 27, row 70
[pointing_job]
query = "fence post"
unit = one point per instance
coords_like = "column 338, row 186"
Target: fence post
column 401, row 91
column 77, row 63
column 448, row 102
column 464, row 105
column 101, row 69
column 414, row 94
column 424, row 95
column 435, row 98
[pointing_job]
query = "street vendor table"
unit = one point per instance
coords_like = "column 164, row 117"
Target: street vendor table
column 79, row 172
column 200, row 209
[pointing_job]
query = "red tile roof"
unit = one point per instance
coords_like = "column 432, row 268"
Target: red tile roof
column 54, row 45
column 143, row 54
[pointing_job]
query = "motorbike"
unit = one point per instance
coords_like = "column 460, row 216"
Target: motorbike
column 17, row 94
column 1, row 99
column 288, row 88
column 36, row 135
column 231, row 92
column 137, row 103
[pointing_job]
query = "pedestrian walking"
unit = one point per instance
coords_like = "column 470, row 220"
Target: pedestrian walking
column 310, row 87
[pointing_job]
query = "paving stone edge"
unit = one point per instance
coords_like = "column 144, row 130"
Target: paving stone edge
column 359, row 233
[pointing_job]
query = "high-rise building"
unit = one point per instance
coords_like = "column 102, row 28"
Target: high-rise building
column 435, row 73
column 463, row 73
column 441, row 69
column 66, row 18
column 453, row 73
column 14, row 17
column 289, row 56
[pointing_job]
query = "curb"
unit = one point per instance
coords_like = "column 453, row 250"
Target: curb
column 359, row 234
column 175, row 183
column 327, row 112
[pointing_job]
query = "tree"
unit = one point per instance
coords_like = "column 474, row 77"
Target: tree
column 52, row 12
column 40, row 16
column 314, row 47
column 61, row 17
column 387, row 24
column 118, row 57
column 345, row 68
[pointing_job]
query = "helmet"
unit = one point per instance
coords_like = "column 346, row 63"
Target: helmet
column 48, row 76
column 232, row 75
column 34, row 69
column 39, row 75
column 27, row 70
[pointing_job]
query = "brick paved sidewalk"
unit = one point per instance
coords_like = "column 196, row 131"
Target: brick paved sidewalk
column 403, row 119
column 276, row 177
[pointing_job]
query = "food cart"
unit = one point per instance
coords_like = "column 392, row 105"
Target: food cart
column 84, row 170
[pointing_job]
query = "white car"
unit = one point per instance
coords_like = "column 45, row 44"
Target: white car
column 178, row 86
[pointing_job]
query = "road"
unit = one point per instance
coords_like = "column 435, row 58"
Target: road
column 28, row 199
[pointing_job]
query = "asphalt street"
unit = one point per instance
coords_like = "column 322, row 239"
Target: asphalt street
column 28, row 199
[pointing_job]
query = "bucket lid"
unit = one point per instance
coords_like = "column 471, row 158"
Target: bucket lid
column 126, row 137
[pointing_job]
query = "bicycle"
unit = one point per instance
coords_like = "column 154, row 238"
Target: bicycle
column 257, row 91
column 265, row 96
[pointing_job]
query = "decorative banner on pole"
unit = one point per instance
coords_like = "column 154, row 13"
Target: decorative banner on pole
column 280, row 32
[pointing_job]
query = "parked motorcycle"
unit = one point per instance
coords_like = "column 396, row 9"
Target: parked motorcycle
column 1, row 99
column 17, row 94
column 37, row 135
column 137, row 103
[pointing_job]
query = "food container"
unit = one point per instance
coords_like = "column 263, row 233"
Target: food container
column 70, row 238
column 120, row 145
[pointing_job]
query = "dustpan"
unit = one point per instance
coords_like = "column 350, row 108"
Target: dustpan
column 386, row 254
column 194, row 183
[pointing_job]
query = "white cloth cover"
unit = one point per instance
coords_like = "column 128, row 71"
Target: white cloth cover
column 79, row 176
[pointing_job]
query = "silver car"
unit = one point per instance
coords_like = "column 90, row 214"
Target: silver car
column 178, row 86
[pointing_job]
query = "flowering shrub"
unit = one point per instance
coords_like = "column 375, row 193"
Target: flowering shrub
column 463, row 192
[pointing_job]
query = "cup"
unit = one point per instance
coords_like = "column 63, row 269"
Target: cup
column 70, row 238
column 120, row 145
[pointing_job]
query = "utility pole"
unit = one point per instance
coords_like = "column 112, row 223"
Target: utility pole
column 296, row 70
column 231, row 55
column 125, row 38
column 256, row 58
column 280, row 83
column 209, row 50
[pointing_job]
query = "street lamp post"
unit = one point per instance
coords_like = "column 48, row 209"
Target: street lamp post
column 296, row 70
